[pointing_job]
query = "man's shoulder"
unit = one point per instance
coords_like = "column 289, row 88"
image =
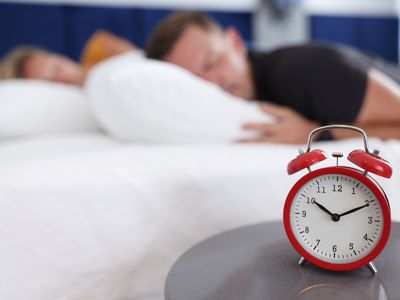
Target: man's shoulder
column 297, row 59
column 299, row 52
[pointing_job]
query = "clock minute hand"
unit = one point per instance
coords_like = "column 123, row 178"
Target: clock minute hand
column 323, row 208
column 353, row 210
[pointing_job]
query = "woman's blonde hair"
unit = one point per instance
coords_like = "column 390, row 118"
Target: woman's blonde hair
column 12, row 65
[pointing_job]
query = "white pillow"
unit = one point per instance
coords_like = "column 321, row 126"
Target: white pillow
column 153, row 101
column 30, row 107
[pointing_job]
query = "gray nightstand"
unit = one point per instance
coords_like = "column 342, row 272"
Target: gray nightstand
column 257, row 263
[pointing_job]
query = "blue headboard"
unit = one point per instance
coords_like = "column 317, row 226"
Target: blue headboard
column 65, row 28
column 374, row 34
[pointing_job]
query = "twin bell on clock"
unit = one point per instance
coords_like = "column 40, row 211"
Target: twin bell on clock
column 338, row 217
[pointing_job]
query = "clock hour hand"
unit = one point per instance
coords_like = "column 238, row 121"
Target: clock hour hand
column 353, row 210
column 323, row 208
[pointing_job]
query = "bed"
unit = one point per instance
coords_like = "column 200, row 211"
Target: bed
column 83, row 216
column 103, row 188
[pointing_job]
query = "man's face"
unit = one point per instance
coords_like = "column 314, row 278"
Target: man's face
column 216, row 56
column 52, row 67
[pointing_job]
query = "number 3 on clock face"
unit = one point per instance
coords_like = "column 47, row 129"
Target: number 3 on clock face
column 337, row 218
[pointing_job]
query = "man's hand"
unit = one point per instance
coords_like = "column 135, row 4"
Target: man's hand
column 290, row 127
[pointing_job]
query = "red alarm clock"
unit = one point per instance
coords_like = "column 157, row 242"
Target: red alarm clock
column 338, row 217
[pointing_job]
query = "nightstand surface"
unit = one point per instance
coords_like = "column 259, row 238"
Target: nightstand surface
column 257, row 262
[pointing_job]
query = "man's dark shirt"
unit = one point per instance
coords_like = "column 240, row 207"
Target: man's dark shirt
column 326, row 83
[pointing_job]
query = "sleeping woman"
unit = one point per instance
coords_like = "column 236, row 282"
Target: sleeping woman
column 37, row 63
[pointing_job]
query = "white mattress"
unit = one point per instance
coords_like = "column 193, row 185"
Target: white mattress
column 83, row 217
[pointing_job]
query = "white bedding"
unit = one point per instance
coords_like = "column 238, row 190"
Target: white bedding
column 83, row 217
column 142, row 100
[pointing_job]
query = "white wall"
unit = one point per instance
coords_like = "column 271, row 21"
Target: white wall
column 272, row 31
column 352, row 7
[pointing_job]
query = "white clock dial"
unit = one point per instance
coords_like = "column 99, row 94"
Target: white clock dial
column 336, row 218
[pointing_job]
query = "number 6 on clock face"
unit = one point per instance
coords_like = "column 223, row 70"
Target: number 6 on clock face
column 337, row 218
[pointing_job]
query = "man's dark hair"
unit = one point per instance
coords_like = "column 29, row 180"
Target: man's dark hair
column 169, row 30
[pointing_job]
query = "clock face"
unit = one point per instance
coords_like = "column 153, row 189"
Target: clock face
column 337, row 218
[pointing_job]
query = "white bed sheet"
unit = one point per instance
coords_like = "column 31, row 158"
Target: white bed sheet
column 83, row 217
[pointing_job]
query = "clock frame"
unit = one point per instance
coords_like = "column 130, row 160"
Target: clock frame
column 368, row 182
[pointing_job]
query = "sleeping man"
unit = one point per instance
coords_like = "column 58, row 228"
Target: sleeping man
column 307, row 85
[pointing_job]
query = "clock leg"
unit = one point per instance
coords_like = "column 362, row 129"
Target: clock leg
column 372, row 268
column 302, row 261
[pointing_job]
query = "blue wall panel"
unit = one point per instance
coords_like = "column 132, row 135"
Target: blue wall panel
column 84, row 21
column 151, row 17
column 241, row 21
column 377, row 35
column 65, row 29
column 32, row 24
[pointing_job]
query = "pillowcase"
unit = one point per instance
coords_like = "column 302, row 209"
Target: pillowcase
column 29, row 107
column 153, row 101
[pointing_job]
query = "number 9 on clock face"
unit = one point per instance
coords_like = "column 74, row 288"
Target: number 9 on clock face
column 337, row 218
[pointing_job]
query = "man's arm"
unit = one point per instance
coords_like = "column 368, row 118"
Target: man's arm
column 383, row 131
column 380, row 112
column 379, row 116
column 381, row 103
column 289, row 127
